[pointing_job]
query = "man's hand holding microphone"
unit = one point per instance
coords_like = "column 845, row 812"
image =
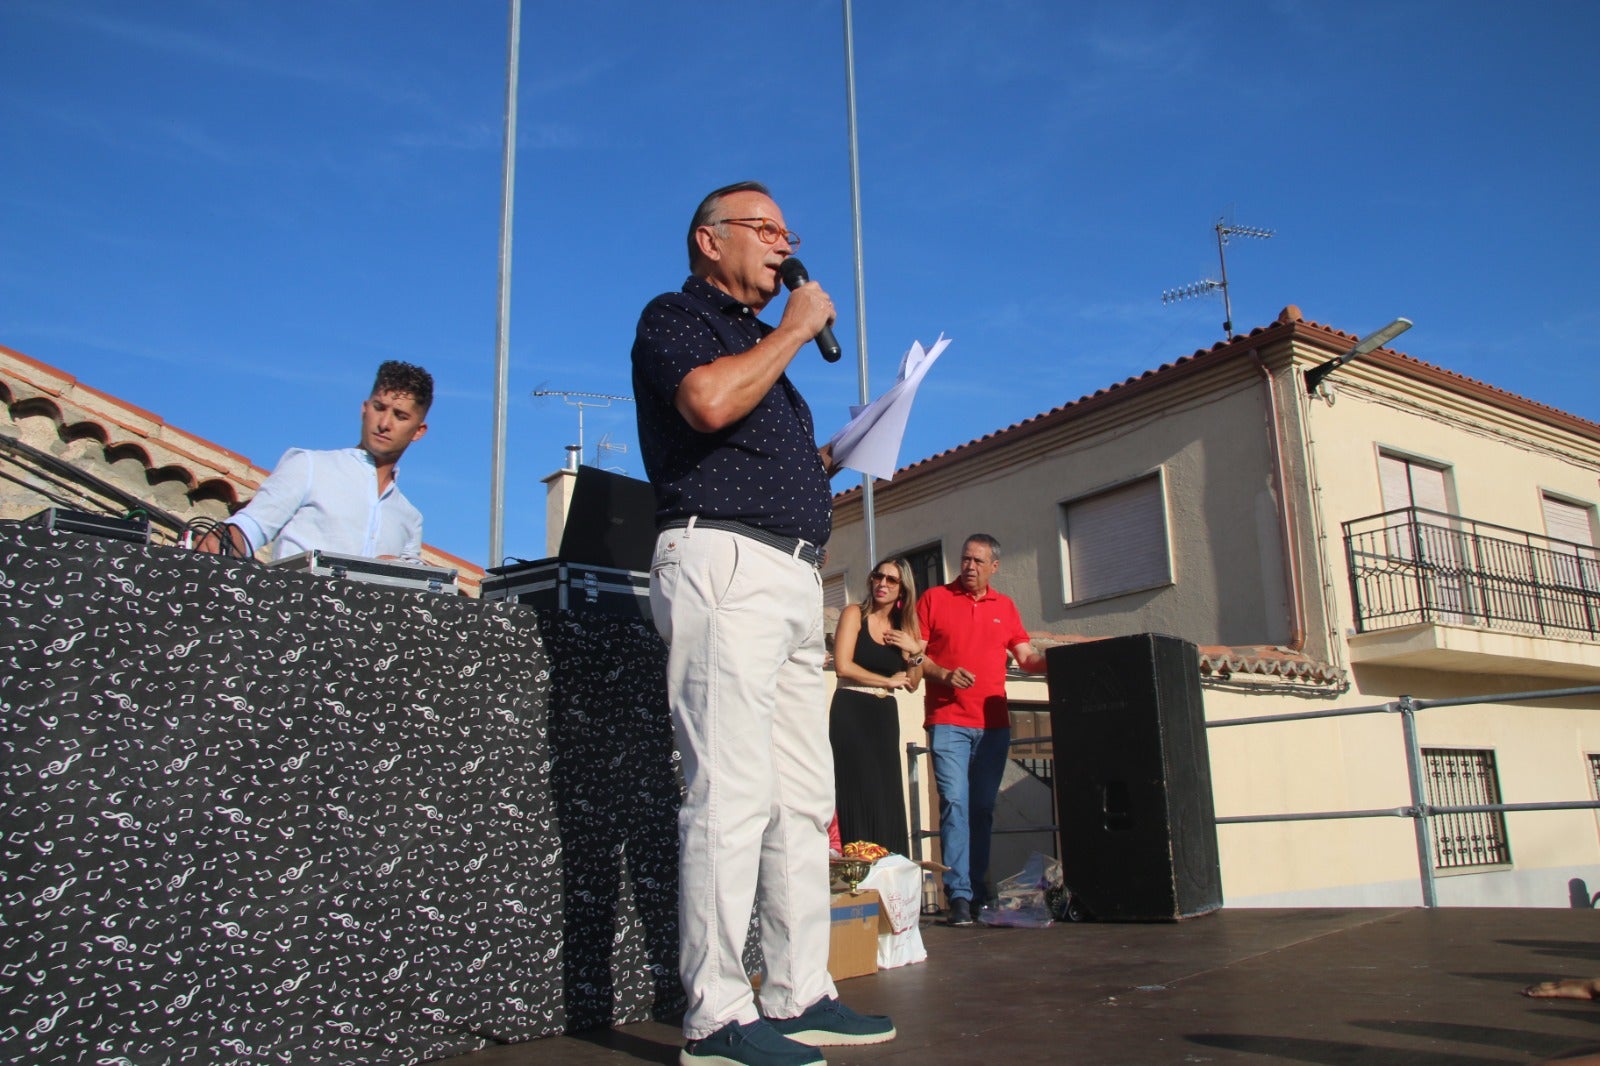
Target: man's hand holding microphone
column 796, row 280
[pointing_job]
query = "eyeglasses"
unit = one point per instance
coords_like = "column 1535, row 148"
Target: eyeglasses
column 886, row 579
column 768, row 230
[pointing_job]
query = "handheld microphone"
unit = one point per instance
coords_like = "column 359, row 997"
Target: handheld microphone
column 794, row 275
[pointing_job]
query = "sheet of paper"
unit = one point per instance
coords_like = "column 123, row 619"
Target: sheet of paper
column 870, row 441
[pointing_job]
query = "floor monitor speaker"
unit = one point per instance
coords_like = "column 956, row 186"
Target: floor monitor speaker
column 1133, row 778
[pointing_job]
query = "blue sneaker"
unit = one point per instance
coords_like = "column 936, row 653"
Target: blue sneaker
column 827, row 1023
column 757, row 1043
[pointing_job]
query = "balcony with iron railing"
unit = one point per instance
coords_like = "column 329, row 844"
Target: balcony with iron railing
column 1443, row 592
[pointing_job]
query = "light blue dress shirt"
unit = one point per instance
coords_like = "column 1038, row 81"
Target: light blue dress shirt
column 328, row 500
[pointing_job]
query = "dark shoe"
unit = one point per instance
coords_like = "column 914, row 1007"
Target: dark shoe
column 755, row 1044
column 828, row 1022
column 960, row 911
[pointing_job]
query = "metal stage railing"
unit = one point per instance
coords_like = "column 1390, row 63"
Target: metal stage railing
column 1419, row 810
column 914, row 787
column 914, row 753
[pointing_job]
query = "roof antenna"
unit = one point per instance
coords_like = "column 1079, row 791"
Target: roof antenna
column 1225, row 229
column 580, row 404
column 606, row 446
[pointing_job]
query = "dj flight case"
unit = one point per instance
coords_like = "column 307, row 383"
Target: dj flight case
column 571, row 587
column 603, row 564
column 66, row 520
column 393, row 572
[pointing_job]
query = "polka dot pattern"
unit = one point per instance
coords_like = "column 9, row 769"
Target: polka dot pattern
column 764, row 470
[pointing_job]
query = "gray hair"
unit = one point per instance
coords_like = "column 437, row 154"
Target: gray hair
column 987, row 541
column 708, row 208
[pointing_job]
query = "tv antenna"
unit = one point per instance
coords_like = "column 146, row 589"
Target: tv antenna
column 605, row 446
column 583, row 399
column 1225, row 229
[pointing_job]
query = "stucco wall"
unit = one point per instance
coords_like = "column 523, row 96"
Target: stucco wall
column 1209, row 444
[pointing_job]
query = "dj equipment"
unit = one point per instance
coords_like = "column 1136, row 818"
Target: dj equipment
column 393, row 572
column 604, row 561
column 64, row 520
column 571, row 587
column 1133, row 778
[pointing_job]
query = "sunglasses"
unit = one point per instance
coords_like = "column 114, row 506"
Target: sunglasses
column 886, row 579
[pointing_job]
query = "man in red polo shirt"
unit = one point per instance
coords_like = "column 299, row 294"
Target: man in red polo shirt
column 969, row 628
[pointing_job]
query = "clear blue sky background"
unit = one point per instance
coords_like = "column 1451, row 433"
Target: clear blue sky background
column 228, row 212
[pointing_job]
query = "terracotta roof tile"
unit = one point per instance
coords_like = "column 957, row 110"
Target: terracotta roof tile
column 1223, row 660
column 1289, row 324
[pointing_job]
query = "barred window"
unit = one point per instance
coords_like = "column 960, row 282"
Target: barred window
column 1457, row 777
column 1594, row 777
column 927, row 565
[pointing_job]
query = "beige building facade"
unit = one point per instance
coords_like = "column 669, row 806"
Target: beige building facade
column 1399, row 530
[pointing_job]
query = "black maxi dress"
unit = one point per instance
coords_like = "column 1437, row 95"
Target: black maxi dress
column 864, row 731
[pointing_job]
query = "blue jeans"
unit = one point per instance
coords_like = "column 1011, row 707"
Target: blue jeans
column 967, row 766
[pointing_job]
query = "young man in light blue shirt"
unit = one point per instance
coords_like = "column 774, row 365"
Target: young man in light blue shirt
column 344, row 501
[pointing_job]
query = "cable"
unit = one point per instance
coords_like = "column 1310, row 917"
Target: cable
column 197, row 529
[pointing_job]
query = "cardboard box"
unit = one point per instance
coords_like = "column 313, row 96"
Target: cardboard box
column 853, row 934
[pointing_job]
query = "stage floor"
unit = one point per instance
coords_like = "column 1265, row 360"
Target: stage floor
column 1396, row 987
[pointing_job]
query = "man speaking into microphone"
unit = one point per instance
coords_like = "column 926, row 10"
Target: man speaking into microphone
column 743, row 510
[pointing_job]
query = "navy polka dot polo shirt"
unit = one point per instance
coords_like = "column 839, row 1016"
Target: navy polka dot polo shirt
column 764, row 470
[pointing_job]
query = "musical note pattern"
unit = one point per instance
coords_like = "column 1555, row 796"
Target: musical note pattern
column 258, row 816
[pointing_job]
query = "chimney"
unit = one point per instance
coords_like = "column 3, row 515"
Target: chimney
column 558, row 500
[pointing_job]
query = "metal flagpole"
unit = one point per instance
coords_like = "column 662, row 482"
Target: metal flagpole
column 502, row 333
column 861, row 283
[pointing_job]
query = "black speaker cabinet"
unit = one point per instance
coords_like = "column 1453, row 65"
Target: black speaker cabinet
column 1133, row 778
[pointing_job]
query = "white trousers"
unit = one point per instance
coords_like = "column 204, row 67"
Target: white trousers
column 743, row 622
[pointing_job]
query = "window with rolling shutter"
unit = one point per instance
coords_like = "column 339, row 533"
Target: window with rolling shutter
column 835, row 592
column 1408, row 483
column 1568, row 521
column 1571, row 565
column 1416, row 495
column 1115, row 542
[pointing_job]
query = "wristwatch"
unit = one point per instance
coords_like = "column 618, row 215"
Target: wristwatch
column 916, row 660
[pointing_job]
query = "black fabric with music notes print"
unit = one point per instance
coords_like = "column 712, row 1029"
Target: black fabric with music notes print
column 258, row 816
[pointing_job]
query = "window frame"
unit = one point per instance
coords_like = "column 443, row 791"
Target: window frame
column 933, row 551
column 1167, row 579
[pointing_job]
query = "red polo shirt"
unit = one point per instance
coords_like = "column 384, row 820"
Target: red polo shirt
column 977, row 634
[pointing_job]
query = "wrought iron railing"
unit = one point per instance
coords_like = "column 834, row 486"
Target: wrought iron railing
column 1415, row 565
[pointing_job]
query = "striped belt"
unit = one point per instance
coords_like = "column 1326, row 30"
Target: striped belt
column 803, row 550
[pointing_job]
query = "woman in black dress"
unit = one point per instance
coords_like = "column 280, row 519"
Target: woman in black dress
column 877, row 649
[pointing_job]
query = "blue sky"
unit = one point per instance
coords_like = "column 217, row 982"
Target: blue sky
column 228, row 212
